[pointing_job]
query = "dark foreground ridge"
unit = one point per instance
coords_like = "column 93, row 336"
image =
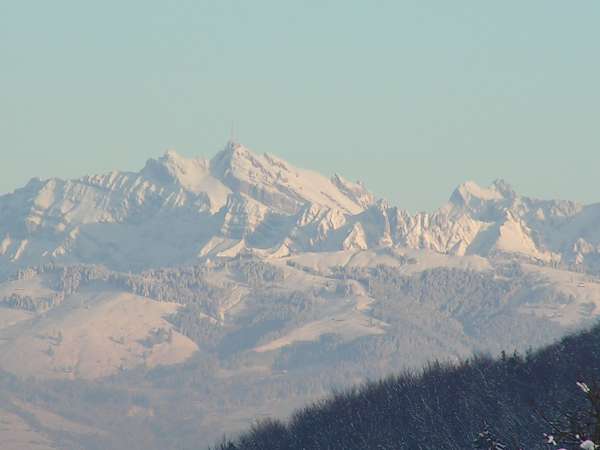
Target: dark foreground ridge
column 444, row 407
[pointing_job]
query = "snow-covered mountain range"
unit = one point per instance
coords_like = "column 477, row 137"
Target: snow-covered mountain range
column 196, row 295
column 178, row 210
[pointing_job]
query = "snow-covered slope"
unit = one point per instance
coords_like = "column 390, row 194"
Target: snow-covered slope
column 94, row 334
column 178, row 210
column 197, row 280
column 169, row 212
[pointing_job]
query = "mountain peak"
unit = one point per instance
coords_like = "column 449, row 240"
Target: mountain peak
column 469, row 193
column 273, row 181
column 171, row 154
column 232, row 145
column 175, row 168
column 503, row 187
column 230, row 156
column 271, row 196
column 175, row 160
column 472, row 189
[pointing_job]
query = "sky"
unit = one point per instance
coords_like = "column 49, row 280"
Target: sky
column 411, row 97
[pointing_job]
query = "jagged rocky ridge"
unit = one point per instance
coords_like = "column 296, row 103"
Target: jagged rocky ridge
column 216, row 291
column 178, row 211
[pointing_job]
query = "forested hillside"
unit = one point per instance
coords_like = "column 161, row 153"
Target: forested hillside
column 445, row 406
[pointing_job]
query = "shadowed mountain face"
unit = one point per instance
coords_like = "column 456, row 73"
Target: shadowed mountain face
column 197, row 295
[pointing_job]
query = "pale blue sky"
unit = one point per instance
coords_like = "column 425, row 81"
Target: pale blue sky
column 412, row 97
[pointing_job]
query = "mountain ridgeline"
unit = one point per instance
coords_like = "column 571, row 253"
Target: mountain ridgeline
column 167, row 307
column 177, row 210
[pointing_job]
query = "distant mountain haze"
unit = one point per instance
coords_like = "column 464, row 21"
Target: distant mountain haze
column 243, row 202
column 198, row 295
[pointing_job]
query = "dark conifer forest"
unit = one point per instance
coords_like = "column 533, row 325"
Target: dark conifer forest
column 512, row 401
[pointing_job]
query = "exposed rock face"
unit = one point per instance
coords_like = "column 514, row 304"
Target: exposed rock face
column 176, row 209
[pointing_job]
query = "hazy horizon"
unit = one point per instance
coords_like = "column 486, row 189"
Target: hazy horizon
column 207, row 155
column 410, row 97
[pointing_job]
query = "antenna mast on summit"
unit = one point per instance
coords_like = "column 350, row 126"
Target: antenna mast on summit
column 232, row 137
